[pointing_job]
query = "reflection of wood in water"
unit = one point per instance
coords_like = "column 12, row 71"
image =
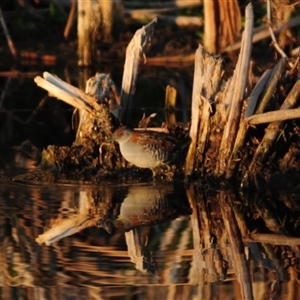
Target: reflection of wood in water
column 219, row 223
column 97, row 259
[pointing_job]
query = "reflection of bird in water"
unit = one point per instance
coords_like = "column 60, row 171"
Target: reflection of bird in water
column 148, row 206
column 148, row 149
column 126, row 223
column 121, row 223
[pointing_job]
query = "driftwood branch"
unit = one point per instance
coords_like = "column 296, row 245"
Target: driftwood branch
column 263, row 32
column 274, row 116
column 65, row 92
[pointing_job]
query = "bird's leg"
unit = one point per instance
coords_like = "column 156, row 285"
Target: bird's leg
column 101, row 152
column 153, row 173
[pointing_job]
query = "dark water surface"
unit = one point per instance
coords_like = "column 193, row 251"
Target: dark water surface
column 150, row 252
column 144, row 263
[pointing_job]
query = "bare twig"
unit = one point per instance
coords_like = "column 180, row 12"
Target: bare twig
column 269, row 23
column 4, row 92
column 263, row 32
column 9, row 40
column 173, row 60
column 170, row 4
column 32, row 115
column 178, row 20
column 60, row 7
column 70, row 19
column 18, row 74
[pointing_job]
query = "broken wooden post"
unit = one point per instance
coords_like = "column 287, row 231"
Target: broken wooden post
column 134, row 53
column 86, row 31
column 170, row 105
column 207, row 80
column 235, row 95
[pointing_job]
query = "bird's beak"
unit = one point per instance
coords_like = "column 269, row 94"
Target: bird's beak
column 110, row 140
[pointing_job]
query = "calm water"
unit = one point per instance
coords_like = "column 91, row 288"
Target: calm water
column 140, row 241
column 91, row 259
column 94, row 263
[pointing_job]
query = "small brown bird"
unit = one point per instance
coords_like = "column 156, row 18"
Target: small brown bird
column 146, row 148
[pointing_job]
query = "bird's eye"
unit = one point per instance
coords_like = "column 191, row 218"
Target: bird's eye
column 120, row 133
column 121, row 225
